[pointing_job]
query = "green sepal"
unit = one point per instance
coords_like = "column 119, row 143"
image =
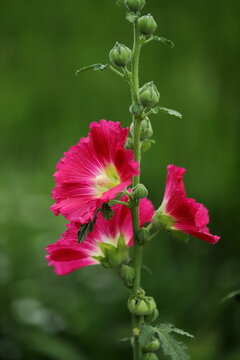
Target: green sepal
column 165, row 110
column 113, row 256
column 162, row 221
column 131, row 17
column 146, row 144
column 107, row 212
column 94, row 67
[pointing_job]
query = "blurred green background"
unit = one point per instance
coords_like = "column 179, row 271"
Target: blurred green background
column 45, row 108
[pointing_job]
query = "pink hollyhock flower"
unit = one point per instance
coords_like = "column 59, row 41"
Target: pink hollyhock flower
column 107, row 244
column 93, row 172
column 180, row 213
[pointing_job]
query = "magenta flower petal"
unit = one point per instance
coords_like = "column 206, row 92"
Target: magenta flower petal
column 93, row 172
column 190, row 217
column 66, row 255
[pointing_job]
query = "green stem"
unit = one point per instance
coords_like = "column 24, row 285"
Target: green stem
column 135, row 219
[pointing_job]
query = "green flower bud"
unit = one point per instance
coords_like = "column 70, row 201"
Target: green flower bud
column 141, row 307
column 135, row 5
column 154, row 345
column 143, row 235
column 150, row 356
column 146, row 130
column 139, row 192
column 129, row 143
column 153, row 316
column 135, row 109
column 127, row 275
column 120, row 55
column 149, row 94
column 147, row 24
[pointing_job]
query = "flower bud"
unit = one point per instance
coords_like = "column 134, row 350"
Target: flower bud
column 127, row 275
column 147, row 24
column 154, row 345
column 135, row 5
column 153, row 316
column 150, row 356
column 135, row 109
column 120, row 55
column 143, row 235
column 129, row 143
column 146, row 130
column 139, row 192
column 149, row 94
column 141, row 306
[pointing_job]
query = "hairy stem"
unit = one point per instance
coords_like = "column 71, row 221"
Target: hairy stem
column 136, row 148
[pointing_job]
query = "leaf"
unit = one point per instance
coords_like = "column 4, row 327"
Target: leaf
column 107, row 212
column 233, row 294
column 146, row 335
column 164, row 41
column 94, row 67
column 158, row 109
column 131, row 17
column 172, row 328
column 146, row 144
column 86, row 228
column 171, row 346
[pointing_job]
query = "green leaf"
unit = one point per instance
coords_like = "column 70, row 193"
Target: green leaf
column 131, row 17
column 94, row 67
column 146, row 144
column 83, row 232
column 107, row 212
column 146, row 335
column 171, row 346
column 164, row 41
column 158, row 109
column 232, row 294
column 86, row 228
column 172, row 328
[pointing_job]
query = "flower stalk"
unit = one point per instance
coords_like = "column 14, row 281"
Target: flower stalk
column 138, row 249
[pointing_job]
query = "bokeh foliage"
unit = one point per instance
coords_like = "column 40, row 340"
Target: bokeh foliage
column 45, row 109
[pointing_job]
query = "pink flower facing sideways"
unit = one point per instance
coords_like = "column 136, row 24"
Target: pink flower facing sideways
column 93, row 172
column 180, row 213
column 107, row 244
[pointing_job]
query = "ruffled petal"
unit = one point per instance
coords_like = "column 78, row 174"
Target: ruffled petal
column 67, row 255
column 93, row 172
column 190, row 216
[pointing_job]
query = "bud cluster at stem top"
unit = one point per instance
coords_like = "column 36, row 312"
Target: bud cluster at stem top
column 135, row 5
